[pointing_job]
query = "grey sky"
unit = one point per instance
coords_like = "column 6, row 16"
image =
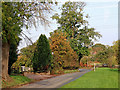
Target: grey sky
column 103, row 17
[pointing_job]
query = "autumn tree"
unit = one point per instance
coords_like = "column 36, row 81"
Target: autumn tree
column 21, row 61
column 85, row 59
column 63, row 54
column 16, row 15
column 106, row 56
column 94, row 54
column 25, row 57
column 42, row 55
column 116, row 47
column 72, row 21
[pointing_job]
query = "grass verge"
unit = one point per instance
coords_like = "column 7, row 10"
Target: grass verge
column 71, row 71
column 101, row 78
column 16, row 81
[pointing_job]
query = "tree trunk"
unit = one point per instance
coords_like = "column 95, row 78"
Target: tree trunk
column 80, row 56
column 5, row 60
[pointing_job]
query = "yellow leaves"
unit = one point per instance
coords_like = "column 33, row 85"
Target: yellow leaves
column 60, row 62
column 9, row 18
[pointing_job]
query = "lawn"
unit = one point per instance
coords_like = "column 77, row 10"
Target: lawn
column 101, row 78
column 17, row 80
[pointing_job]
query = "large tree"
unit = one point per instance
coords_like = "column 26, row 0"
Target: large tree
column 63, row 54
column 16, row 15
column 42, row 55
column 72, row 21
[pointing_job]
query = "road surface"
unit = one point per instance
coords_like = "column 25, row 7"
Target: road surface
column 56, row 82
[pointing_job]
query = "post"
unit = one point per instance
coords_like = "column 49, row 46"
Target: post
column 94, row 66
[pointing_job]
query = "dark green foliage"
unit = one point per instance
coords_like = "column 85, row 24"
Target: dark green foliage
column 12, row 56
column 21, row 14
column 28, row 53
column 103, row 55
column 11, row 22
column 25, row 57
column 15, row 16
column 42, row 55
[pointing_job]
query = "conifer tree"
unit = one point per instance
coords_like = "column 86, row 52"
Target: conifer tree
column 42, row 55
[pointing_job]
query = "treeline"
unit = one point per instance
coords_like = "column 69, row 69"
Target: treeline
column 54, row 54
column 103, row 54
column 68, row 44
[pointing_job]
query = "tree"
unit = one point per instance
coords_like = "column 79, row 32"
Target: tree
column 112, row 61
column 9, row 35
column 97, row 52
column 85, row 59
column 25, row 57
column 104, row 55
column 71, row 21
column 16, row 15
column 116, row 47
column 13, row 54
column 42, row 55
column 97, row 48
column 28, row 52
column 63, row 54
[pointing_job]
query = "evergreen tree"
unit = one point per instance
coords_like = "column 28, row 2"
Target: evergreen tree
column 42, row 55
column 13, row 54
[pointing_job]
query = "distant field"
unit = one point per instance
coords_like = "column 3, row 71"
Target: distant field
column 101, row 78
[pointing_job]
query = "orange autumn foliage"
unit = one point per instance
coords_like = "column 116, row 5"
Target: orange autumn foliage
column 63, row 54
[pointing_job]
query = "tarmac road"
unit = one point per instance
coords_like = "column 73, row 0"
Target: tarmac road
column 56, row 82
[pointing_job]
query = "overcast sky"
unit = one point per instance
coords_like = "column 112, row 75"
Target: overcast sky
column 103, row 17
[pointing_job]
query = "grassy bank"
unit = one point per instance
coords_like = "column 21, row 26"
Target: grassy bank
column 101, row 78
column 16, row 80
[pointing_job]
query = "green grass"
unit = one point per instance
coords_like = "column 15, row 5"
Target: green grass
column 17, row 80
column 71, row 71
column 101, row 78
